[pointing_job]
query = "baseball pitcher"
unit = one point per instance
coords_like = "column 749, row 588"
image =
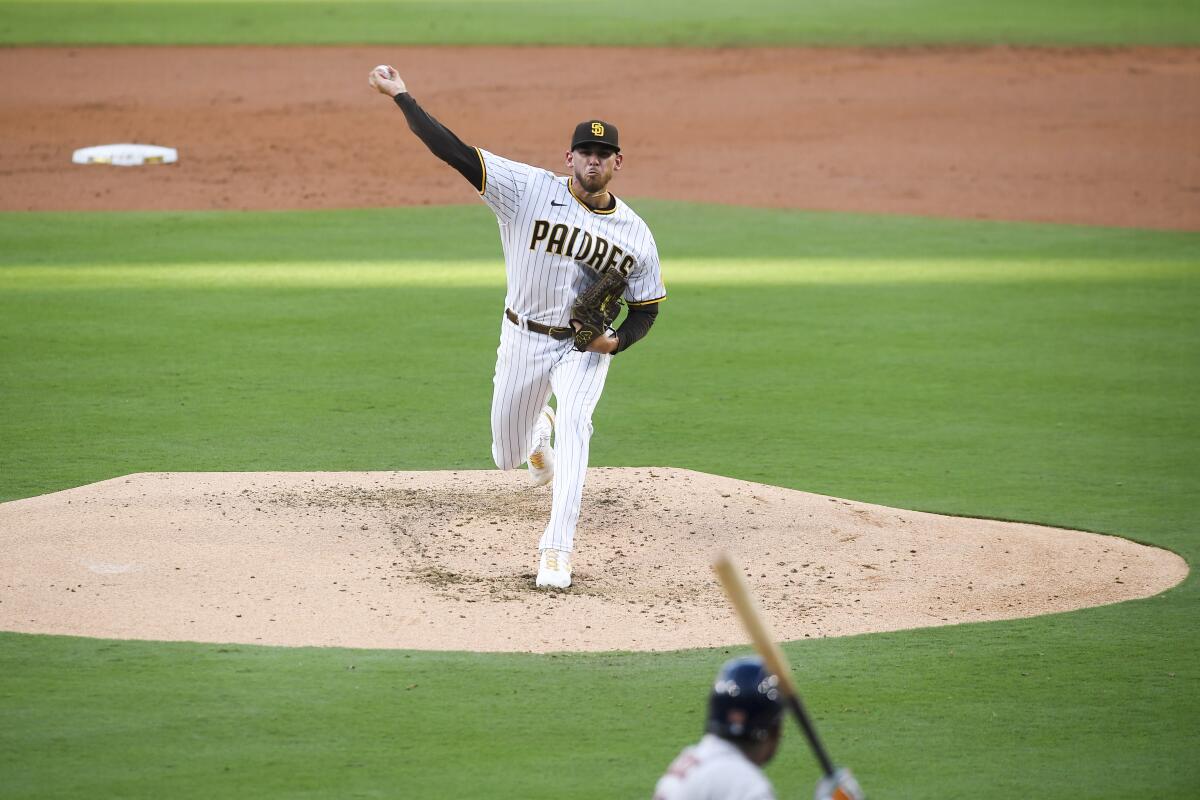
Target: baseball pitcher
column 573, row 254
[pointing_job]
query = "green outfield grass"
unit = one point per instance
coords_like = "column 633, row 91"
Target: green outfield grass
column 618, row 22
column 1034, row 372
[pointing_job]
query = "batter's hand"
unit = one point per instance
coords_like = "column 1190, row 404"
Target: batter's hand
column 390, row 84
column 839, row 786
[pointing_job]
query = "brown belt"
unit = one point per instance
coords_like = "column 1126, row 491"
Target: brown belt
column 537, row 327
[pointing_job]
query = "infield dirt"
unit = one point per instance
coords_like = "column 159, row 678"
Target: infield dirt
column 1094, row 136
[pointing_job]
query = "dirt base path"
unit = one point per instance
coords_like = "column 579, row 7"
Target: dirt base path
column 1104, row 137
column 446, row 560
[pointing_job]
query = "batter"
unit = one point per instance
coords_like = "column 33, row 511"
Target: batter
column 559, row 233
column 742, row 734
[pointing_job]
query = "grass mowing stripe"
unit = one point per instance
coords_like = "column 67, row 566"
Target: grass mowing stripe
column 1057, row 389
column 625, row 22
column 692, row 231
column 783, row 273
column 130, row 238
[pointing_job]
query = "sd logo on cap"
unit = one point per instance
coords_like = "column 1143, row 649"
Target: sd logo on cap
column 595, row 131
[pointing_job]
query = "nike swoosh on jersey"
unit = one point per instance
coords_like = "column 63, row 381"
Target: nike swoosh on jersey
column 556, row 204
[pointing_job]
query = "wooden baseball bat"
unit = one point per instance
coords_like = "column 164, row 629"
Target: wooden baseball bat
column 752, row 619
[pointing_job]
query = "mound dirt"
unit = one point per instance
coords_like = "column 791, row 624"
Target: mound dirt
column 446, row 560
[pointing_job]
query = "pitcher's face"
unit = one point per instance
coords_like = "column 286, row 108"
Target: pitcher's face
column 593, row 165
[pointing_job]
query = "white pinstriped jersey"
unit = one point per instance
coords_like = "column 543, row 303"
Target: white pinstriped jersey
column 713, row 769
column 555, row 246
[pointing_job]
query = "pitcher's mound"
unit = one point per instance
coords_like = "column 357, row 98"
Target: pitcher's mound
column 446, row 560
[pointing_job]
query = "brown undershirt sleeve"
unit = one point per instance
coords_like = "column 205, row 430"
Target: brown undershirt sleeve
column 441, row 141
column 636, row 325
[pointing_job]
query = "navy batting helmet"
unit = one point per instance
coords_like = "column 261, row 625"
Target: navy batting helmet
column 745, row 702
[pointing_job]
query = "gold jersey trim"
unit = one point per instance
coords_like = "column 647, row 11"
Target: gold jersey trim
column 571, row 189
column 482, row 163
column 645, row 302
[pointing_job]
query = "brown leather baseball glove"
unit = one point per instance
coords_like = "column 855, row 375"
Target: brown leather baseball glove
column 596, row 307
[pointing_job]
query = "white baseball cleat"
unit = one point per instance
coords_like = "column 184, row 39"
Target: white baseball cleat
column 541, row 456
column 555, row 570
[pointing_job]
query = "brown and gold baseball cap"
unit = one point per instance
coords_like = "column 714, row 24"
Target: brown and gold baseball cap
column 595, row 131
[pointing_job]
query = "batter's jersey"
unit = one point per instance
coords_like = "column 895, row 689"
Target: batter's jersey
column 555, row 246
column 713, row 769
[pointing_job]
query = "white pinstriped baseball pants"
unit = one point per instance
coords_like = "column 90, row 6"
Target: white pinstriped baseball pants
column 529, row 368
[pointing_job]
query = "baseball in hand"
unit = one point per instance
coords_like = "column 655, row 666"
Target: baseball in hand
column 384, row 70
